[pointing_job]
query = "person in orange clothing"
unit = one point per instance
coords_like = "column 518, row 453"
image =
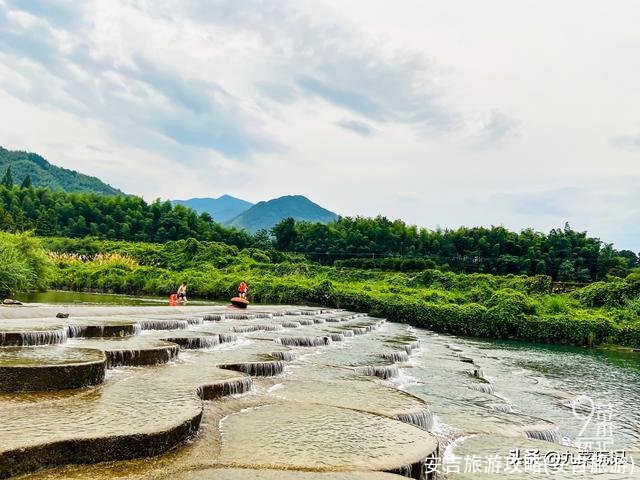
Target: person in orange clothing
column 243, row 289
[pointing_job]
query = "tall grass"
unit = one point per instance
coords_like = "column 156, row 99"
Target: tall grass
column 24, row 266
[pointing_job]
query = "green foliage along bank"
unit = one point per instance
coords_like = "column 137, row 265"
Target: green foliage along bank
column 24, row 266
column 482, row 305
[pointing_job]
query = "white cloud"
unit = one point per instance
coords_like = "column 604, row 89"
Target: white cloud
column 413, row 111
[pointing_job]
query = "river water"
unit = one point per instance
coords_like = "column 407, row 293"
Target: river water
column 486, row 402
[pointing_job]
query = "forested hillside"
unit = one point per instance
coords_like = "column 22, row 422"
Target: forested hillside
column 364, row 243
column 563, row 253
column 35, row 170
column 113, row 217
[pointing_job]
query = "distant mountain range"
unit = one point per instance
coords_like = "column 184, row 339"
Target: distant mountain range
column 264, row 215
column 44, row 174
column 226, row 209
column 222, row 209
column 241, row 214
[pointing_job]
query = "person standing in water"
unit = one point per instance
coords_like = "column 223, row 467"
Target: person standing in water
column 182, row 292
column 243, row 289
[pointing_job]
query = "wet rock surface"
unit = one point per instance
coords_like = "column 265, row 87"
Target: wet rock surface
column 162, row 369
column 348, row 397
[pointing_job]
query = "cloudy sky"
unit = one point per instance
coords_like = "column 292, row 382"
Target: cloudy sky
column 520, row 113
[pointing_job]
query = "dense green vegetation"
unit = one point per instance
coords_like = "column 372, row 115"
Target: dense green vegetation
column 362, row 243
column 58, row 213
column 23, row 165
column 563, row 254
column 483, row 305
column 23, row 264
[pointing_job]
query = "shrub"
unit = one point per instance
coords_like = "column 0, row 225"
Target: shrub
column 24, row 265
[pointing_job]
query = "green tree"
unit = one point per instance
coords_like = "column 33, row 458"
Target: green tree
column 26, row 183
column 285, row 233
column 7, row 180
column 567, row 271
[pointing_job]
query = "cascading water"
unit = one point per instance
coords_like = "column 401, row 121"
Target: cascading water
column 163, row 324
column 303, row 341
column 382, row 371
column 257, row 369
column 238, row 316
column 422, row 418
column 291, row 324
column 226, row 388
column 192, row 343
column 395, row 356
column 47, row 337
column 284, row 355
column 255, row 328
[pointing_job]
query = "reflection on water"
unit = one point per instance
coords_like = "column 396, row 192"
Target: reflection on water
column 85, row 298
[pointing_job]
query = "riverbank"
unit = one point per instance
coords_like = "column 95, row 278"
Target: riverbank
column 480, row 305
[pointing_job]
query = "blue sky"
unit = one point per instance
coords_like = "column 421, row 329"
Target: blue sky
column 441, row 113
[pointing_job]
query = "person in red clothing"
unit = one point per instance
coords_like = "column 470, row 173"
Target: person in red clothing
column 242, row 289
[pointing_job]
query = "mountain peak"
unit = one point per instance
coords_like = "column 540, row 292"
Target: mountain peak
column 266, row 214
column 221, row 209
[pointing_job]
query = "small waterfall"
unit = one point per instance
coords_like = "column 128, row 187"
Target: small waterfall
column 318, row 320
column 284, row 355
column 257, row 369
column 293, row 313
column 551, row 435
column 360, row 330
column 154, row 356
column 212, row 318
column 501, row 407
column 74, row 331
column 483, row 387
column 96, row 331
column 225, row 388
column 192, row 343
column 303, row 341
column 238, row 316
column 395, row 356
column 291, row 324
column 465, row 359
column 306, row 321
column 227, row 337
column 422, row 419
column 334, row 319
column 195, row 320
column 382, row 371
column 411, row 346
column 278, row 314
column 255, row 328
column 47, row 337
column 263, row 315
column 348, row 333
column 423, row 470
column 163, row 324
column 337, row 337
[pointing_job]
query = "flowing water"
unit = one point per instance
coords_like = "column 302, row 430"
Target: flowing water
column 277, row 392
